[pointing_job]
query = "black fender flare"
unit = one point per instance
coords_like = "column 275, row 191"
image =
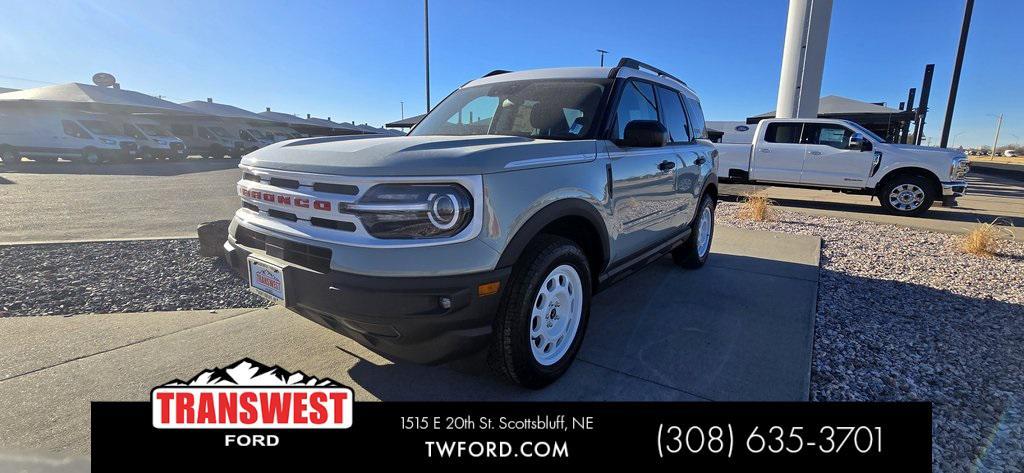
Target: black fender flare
column 572, row 207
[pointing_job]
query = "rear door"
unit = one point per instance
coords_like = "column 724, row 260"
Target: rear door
column 686, row 150
column 829, row 161
column 643, row 179
column 778, row 153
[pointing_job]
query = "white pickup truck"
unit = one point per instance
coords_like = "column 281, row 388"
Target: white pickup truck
column 843, row 156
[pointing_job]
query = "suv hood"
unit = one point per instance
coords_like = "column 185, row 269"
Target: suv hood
column 368, row 155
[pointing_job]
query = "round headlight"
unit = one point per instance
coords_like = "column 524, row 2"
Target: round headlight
column 444, row 211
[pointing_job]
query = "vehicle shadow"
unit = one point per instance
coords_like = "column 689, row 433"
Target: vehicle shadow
column 962, row 214
column 652, row 338
column 134, row 168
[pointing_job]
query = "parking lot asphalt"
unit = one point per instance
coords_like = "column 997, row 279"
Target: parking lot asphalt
column 992, row 195
column 746, row 334
column 69, row 201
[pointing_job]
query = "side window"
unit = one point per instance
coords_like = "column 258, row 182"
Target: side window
column 71, row 128
column 181, row 129
column 672, row 115
column 829, row 135
column 697, row 128
column 635, row 103
column 783, row 133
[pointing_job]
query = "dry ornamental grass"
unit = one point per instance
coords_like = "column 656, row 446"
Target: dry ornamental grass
column 757, row 207
column 983, row 240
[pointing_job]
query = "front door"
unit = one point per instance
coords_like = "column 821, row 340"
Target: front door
column 643, row 179
column 829, row 161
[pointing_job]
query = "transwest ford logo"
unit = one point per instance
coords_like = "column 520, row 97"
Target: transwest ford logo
column 249, row 395
column 280, row 199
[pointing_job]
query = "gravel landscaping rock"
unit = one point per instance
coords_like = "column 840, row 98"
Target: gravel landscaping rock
column 123, row 276
column 904, row 315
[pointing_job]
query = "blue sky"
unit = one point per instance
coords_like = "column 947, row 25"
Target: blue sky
column 357, row 60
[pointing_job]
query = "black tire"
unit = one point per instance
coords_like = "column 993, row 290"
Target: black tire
column 691, row 254
column 91, row 156
column 899, row 195
column 511, row 353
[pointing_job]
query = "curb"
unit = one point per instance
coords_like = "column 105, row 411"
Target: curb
column 98, row 240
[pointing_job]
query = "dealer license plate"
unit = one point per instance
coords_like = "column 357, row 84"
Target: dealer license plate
column 266, row 280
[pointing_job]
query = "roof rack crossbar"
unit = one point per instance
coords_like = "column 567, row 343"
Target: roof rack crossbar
column 636, row 64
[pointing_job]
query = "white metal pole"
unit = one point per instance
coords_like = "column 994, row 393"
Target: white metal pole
column 426, row 47
column 803, row 58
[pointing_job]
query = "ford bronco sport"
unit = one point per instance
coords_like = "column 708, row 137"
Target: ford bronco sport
column 492, row 223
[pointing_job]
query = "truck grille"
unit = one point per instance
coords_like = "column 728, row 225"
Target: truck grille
column 308, row 256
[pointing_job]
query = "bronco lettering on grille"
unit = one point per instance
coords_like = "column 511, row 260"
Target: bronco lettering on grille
column 279, row 199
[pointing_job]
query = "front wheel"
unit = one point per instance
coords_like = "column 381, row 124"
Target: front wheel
column 693, row 253
column 91, row 157
column 907, row 195
column 543, row 314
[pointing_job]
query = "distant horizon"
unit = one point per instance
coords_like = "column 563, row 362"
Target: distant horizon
column 357, row 61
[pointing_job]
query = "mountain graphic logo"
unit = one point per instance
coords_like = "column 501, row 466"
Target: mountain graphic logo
column 247, row 372
column 250, row 395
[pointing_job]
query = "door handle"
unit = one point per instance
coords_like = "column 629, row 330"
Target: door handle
column 666, row 165
column 765, row 150
column 816, row 153
column 699, row 161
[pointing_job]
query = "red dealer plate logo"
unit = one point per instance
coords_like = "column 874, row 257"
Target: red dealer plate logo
column 249, row 395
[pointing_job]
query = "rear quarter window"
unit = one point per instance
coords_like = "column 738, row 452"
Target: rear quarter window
column 783, row 133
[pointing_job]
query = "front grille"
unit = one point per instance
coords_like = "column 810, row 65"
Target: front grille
column 286, row 183
column 332, row 224
column 282, row 215
column 308, row 256
column 335, row 188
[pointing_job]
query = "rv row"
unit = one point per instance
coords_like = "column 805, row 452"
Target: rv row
column 48, row 134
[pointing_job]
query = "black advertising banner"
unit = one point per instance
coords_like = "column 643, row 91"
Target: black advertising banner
column 719, row 435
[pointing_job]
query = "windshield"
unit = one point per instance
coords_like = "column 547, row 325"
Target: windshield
column 100, row 127
column 220, row 132
column 866, row 132
column 153, row 130
column 558, row 109
column 258, row 134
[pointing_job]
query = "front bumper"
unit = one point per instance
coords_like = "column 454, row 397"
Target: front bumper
column 954, row 188
column 400, row 317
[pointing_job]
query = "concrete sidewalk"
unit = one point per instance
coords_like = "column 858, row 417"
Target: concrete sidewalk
column 740, row 328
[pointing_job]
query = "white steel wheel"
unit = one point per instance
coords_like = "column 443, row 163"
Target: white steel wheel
column 556, row 313
column 906, row 197
column 704, row 232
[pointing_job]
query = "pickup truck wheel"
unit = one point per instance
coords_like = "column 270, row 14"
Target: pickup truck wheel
column 693, row 253
column 10, row 157
column 543, row 314
column 907, row 195
column 91, row 157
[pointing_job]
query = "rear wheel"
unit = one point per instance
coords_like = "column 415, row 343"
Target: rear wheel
column 10, row 156
column 908, row 195
column 543, row 314
column 693, row 253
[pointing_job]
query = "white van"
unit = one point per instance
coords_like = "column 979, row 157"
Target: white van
column 155, row 141
column 46, row 134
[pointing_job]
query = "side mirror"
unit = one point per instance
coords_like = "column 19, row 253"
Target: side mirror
column 645, row 134
column 859, row 143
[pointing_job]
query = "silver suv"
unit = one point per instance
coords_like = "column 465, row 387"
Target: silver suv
column 490, row 225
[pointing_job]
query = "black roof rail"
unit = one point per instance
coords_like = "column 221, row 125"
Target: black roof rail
column 636, row 64
column 496, row 72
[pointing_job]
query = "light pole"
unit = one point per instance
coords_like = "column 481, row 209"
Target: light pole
column 426, row 47
column 999, row 125
column 403, row 109
column 957, row 136
column 602, row 52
